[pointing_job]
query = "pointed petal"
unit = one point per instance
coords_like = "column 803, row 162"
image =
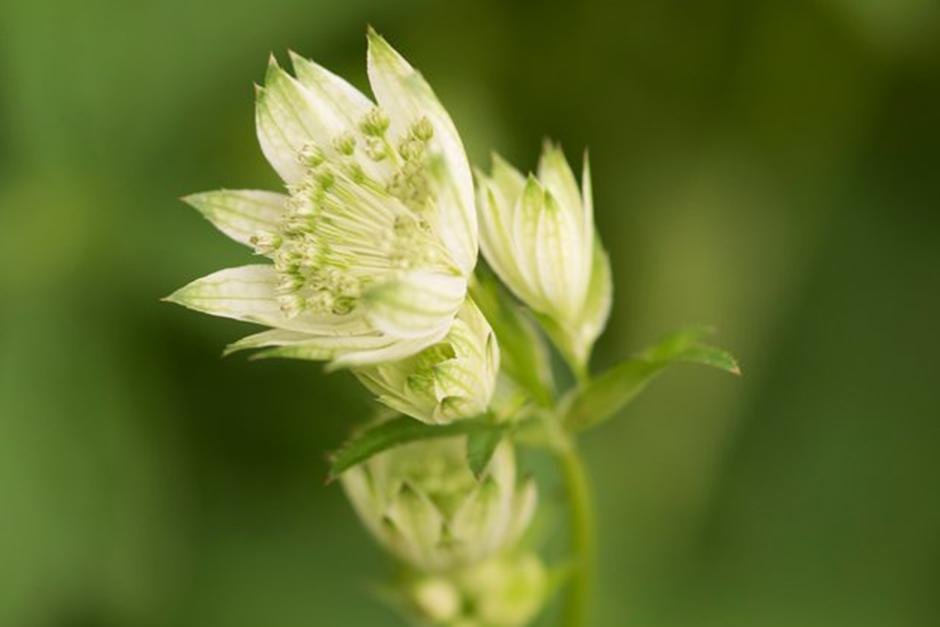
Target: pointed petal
column 295, row 345
column 496, row 241
column 248, row 293
column 507, row 180
column 558, row 259
column 240, row 214
column 336, row 100
column 415, row 304
column 525, row 228
column 556, row 176
column 286, row 121
column 404, row 94
column 587, row 206
column 599, row 297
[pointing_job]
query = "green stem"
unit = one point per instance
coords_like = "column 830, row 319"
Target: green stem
column 581, row 525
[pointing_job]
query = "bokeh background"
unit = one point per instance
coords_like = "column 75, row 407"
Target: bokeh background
column 768, row 167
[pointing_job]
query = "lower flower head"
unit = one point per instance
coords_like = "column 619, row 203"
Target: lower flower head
column 423, row 503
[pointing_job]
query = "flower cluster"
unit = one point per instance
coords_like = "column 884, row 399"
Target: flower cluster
column 369, row 254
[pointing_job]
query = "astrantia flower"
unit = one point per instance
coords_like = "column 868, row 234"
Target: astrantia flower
column 452, row 379
column 423, row 503
column 373, row 244
column 537, row 233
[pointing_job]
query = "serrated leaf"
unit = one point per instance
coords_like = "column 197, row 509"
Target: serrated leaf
column 397, row 431
column 480, row 448
column 610, row 392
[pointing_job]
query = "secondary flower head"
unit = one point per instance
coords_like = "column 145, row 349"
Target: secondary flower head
column 373, row 244
column 537, row 233
column 503, row 591
column 423, row 503
column 452, row 379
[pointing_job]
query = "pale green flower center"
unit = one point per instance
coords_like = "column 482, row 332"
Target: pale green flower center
column 363, row 209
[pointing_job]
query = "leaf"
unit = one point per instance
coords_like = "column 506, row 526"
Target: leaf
column 480, row 448
column 402, row 430
column 524, row 353
column 611, row 391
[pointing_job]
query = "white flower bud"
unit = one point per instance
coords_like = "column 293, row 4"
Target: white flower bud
column 423, row 503
column 538, row 234
column 504, row 591
column 450, row 380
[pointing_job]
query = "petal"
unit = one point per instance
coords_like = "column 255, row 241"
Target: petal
column 335, row 99
column 526, row 217
column 287, row 120
column 507, row 180
column 400, row 349
column 556, row 176
column 248, row 293
column 598, row 300
column 587, row 206
column 558, row 259
column 240, row 214
column 414, row 304
column 296, row 345
column 496, row 241
column 404, row 94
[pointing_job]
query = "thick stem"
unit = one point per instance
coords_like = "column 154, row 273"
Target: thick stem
column 581, row 525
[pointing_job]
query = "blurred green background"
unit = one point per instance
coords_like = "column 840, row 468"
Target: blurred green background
column 768, row 167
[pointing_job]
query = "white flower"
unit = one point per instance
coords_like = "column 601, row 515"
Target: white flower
column 452, row 379
column 374, row 243
column 537, row 233
column 422, row 502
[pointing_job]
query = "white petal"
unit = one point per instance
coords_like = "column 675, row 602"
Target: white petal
column 297, row 345
column 240, row 214
column 556, row 176
column 336, row 100
column 587, row 206
column 496, row 241
column 598, row 301
column 558, row 259
column 286, row 121
column 400, row 349
column 248, row 293
column 526, row 217
column 414, row 304
column 404, row 94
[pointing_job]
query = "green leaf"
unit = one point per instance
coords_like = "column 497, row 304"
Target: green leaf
column 480, row 448
column 610, row 392
column 524, row 354
column 398, row 431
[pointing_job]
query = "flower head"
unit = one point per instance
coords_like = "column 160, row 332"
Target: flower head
column 452, row 379
column 423, row 503
column 373, row 244
column 537, row 233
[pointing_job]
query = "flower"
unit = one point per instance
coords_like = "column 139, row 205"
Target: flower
column 452, row 379
column 423, row 503
column 373, row 244
column 537, row 233
column 503, row 591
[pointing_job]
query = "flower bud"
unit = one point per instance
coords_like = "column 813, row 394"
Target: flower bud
column 450, row 380
column 503, row 591
column 538, row 235
column 423, row 503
